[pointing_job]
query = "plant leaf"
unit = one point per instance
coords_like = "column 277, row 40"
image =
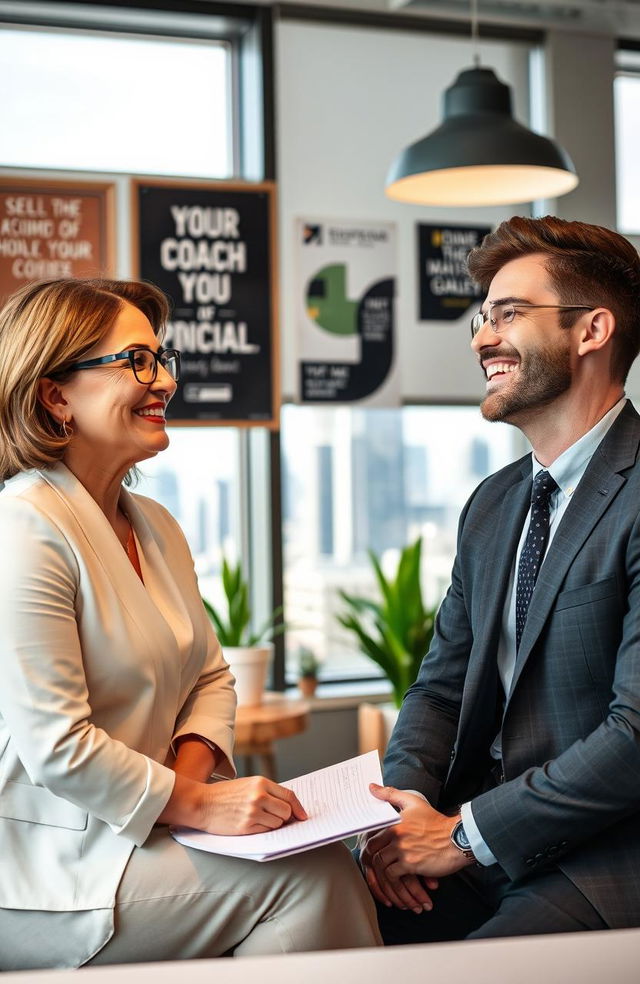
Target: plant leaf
column 395, row 633
column 360, row 604
column 222, row 630
column 234, row 631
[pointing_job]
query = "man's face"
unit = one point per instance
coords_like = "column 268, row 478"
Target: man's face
column 527, row 363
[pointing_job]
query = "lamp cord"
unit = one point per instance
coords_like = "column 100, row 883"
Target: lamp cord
column 474, row 32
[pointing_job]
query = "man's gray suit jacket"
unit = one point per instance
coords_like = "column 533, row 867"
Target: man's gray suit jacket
column 571, row 725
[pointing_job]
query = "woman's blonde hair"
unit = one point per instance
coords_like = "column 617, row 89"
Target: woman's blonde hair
column 45, row 327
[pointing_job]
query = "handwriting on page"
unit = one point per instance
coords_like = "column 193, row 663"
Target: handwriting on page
column 337, row 800
column 329, row 795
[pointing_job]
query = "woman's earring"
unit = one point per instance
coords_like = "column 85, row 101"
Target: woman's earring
column 65, row 431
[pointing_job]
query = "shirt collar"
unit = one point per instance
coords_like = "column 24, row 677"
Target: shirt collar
column 570, row 466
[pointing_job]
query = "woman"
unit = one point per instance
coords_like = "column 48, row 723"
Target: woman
column 116, row 705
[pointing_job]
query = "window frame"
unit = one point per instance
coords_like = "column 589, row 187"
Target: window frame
column 627, row 64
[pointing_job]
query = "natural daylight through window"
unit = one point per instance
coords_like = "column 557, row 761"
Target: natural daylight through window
column 100, row 102
column 355, row 480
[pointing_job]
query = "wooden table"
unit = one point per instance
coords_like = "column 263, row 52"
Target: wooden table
column 258, row 727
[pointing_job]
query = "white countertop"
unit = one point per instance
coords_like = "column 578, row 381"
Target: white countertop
column 576, row 958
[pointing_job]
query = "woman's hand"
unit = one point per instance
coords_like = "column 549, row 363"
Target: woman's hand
column 232, row 806
column 249, row 806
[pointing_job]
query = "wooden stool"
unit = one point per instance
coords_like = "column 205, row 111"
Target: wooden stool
column 258, row 727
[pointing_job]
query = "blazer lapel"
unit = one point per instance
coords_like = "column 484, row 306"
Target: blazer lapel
column 157, row 611
column 159, row 580
column 94, row 529
column 596, row 491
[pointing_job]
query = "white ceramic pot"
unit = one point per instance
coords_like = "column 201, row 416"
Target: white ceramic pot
column 249, row 665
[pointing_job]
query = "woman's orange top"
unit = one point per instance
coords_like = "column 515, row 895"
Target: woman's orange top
column 132, row 553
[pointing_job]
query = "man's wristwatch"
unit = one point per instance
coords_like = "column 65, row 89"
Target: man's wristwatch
column 460, row 840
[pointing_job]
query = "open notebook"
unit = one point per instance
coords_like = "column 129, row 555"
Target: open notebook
column 337, row 800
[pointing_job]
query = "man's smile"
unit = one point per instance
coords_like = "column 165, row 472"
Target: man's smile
column 498, row 367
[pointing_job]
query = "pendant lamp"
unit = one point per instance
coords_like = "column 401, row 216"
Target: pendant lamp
column 479, row 155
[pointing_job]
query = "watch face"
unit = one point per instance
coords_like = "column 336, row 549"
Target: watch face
column 460, row 838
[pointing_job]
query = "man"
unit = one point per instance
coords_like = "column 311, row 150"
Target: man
column 515, row 761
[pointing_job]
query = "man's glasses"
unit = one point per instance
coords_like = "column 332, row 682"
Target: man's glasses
column 500, row 316
column 143, row 361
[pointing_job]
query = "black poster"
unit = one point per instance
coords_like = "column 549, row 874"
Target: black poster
column 208, row 249
column 446, row 290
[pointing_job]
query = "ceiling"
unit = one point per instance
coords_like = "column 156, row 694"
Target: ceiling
column 619, row 17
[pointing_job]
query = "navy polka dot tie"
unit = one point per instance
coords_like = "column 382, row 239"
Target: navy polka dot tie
column 534, row 547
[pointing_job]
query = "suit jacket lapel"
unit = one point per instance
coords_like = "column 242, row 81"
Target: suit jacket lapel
column 481, row 685
column 596, row 491
column 499, row 558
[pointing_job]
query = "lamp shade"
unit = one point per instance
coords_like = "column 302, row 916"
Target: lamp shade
column 480, row 155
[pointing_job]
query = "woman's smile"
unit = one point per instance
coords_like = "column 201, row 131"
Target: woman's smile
column 153, row 412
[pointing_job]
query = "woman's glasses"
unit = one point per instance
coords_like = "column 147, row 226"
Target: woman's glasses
column 143, row 361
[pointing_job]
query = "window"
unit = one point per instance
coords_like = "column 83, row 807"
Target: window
column 103, row 102
column 157, row 92
column 121, row 99
column 627, row 132
column 196, row 479
column 357, row 479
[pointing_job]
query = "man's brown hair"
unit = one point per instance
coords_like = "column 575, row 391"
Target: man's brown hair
column 587, row 264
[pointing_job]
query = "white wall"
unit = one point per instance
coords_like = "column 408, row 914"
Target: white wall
column 348, row 100
column 580, row 74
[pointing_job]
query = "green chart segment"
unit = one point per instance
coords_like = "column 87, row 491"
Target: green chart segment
column 328, row 304
column 371, row 317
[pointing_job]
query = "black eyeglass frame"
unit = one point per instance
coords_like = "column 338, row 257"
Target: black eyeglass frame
column 162, row 356
column 480, row 319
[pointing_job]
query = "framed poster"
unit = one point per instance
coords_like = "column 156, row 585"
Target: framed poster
column 210, row 247
column 345, row 295
column 445, row 288
column 51, row 229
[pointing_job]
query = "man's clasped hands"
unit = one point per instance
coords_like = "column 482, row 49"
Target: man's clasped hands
column 403, row 863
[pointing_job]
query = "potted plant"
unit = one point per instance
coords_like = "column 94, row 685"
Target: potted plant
column 308, row 666
column 248, row 653
column 394, row 632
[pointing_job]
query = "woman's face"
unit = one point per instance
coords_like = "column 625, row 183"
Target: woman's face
column 108, row 409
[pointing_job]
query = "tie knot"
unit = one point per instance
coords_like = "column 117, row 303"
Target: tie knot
column 544, row 485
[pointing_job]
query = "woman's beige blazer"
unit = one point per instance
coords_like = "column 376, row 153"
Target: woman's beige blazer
column 98, row 674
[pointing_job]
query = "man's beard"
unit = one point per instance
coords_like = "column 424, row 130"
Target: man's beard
column 543, row 376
